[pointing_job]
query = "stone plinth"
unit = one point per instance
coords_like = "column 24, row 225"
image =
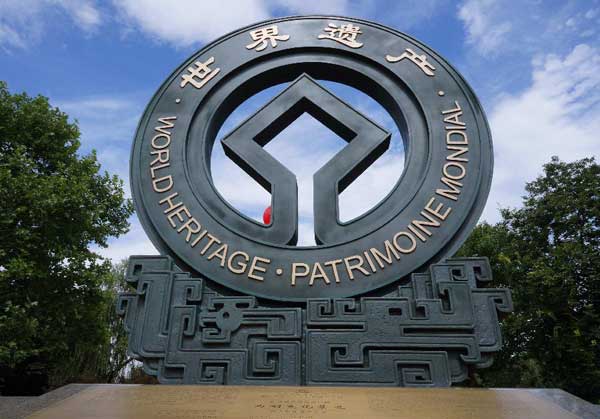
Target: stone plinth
column 182, row 402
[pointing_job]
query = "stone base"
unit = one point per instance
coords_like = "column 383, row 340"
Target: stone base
column 182, row 402
column 427, row 332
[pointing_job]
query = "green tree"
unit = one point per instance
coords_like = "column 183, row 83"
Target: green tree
column 54, row 205
column 113, row 358
column 548, row 254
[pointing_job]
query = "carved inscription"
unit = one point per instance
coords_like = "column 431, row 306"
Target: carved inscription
column 407, row 241
column 181, row 219
column 344, row 34
column 329, row 272
column 420, row 61
column 199, row 74
column 263, row 36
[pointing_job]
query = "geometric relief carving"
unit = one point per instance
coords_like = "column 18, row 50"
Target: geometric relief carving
column 186, row 333
column 427, row 333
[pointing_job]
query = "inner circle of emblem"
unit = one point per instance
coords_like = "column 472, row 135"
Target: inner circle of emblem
column 425, row 218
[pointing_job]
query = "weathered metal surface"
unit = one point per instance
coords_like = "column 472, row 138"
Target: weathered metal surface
column 376, row 302
column 424, row 333
column 436, row 115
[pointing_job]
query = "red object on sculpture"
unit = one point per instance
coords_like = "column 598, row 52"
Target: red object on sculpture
column 267, row 215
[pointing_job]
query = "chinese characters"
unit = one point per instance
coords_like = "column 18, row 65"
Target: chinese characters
column 200, row 74
column 419, row 60
column 344, row 34
column 263, row 36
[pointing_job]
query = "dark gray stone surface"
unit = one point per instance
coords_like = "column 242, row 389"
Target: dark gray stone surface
column 427, row 332
column 398, row 312
column 21, row 407
column 421, row 106
column 568, row 402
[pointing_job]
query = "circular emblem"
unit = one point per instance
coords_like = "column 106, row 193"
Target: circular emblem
column 426, row 217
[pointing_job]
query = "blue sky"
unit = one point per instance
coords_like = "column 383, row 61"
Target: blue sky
column 533, row 64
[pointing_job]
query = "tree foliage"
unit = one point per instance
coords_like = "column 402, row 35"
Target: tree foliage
column 548, row 254
column 54, row 206
column 113, row 357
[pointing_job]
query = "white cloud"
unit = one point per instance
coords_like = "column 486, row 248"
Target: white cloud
column 24, row 22
column 509, row 31
column 83, row 12
column 556, row 108
column 185, row 22
column 558, row 114
column 592, row 13
column 107, row 124
column 91, row 106
column 484, row 31
column 306, row 234
column 135, row 242
column 372, row 186
column 309, row 7
column 10, row 38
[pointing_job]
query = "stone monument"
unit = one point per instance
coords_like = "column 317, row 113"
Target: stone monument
column 379, row 301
